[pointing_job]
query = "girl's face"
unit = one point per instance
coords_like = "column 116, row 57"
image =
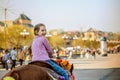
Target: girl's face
column 42, row 31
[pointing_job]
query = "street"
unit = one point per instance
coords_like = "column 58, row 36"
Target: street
column 97, row 74
column 91, row 74
column 102, row 68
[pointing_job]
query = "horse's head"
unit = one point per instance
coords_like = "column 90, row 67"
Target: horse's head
column 27, row 72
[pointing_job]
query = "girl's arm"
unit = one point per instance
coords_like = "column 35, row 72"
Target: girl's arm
column 48, row 47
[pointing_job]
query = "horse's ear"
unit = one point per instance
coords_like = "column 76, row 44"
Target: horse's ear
column 72, row 66
column 71, row 69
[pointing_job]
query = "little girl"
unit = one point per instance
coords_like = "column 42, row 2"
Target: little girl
column 42, row 51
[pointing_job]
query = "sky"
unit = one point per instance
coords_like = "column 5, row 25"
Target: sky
column 68, row 15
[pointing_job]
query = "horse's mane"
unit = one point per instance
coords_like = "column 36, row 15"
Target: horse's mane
column 29, row 50
column 66, row 65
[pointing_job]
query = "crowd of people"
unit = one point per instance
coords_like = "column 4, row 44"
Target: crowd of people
column 10, row 58
column 84, row 52
column 13, row 57
column 80, row 53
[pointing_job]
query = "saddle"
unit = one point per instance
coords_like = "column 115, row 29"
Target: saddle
column 41, row 64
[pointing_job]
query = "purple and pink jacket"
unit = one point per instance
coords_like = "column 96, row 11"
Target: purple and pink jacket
column 40, row 49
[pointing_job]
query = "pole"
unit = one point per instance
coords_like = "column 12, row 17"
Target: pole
column 103, row 46
column 5, row 30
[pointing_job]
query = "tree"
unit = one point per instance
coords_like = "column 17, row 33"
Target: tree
column 14, row 39
column 1, row 39
column 56, row 41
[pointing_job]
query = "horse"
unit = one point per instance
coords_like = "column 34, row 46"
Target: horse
column 35, row 70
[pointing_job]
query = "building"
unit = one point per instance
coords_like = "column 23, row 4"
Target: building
column 23, row 20
column 92, row 34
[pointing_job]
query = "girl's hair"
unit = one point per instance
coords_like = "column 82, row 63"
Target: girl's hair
column 37, row 28
column 29, row 50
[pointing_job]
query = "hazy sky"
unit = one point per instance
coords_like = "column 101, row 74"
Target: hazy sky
column 67, row 14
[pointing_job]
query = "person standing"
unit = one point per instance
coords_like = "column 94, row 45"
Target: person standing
column 21, row 56
column 6, row 58
column 1, row 57
column 13, row 54
column 93, row 53
column 42, row 51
